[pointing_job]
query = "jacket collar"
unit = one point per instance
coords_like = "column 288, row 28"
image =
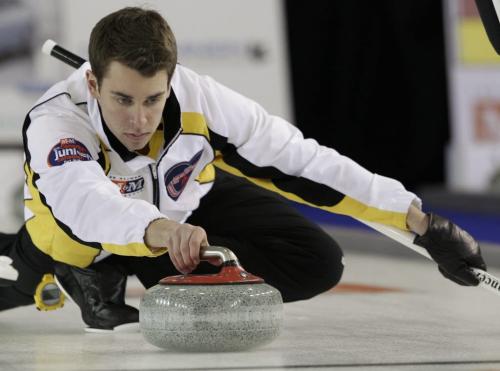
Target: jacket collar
column 171, row 124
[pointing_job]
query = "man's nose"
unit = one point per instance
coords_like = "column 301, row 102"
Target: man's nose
column 139, row 117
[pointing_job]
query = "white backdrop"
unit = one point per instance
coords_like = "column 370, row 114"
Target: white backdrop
column 240, row 43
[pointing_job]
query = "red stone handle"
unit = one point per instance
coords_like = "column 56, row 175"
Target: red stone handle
column 231, row 272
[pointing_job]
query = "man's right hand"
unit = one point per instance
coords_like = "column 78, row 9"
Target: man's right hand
column 182, row 240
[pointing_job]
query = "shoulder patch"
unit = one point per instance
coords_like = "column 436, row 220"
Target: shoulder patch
column 68, row 150
column 178, row 175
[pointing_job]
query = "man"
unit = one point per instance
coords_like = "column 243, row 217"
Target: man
column 132, row 156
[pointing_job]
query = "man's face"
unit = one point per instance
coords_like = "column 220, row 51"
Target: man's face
column 131, row 104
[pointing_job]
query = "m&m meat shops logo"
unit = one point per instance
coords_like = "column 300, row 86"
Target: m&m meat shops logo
column 68, row 150
column 129, row 185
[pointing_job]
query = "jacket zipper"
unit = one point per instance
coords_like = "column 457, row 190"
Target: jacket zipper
column 156, row 195
column 154, row 171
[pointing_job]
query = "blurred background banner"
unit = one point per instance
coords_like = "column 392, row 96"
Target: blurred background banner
column 17, row 28
column 473, row 155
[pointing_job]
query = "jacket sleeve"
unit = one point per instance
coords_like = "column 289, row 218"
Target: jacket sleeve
column 274, row 154
column 66, row 181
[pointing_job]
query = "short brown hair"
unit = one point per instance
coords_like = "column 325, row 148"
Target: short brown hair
column 139, row 38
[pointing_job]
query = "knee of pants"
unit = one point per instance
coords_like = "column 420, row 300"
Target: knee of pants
column 333, row 269
column 323, row 276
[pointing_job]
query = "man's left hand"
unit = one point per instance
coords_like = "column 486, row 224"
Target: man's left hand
column 453, row 249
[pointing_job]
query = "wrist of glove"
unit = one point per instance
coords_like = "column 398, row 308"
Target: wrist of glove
column 453, row 249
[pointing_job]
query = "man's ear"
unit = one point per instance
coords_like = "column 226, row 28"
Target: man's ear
column 92, row 84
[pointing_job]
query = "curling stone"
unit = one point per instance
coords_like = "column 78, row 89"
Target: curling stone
column 228, row 311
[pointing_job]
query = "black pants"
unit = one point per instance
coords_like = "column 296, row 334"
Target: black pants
column 30, row 262
column 269, row 237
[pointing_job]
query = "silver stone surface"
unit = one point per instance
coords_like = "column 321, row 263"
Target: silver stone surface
column 211, row 318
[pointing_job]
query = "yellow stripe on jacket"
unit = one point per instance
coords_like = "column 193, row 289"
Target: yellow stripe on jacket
column 50, row 238
column 347, row 206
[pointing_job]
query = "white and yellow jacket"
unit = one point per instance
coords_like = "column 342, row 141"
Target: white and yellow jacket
column 85, row 192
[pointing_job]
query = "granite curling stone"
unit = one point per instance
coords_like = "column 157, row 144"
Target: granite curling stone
column 228, row 311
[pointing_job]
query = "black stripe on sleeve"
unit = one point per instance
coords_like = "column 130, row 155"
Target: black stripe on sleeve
column 27, row 122
column 308, row 190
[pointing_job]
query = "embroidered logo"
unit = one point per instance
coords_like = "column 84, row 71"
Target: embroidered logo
column 68, row 150
column 129, row 186
column 178, row 175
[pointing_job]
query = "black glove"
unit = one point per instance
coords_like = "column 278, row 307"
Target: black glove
column 453, row 249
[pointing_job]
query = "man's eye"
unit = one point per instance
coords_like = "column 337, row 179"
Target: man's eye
column 123, row 101
column 152, row 101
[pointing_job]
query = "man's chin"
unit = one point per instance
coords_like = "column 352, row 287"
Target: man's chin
column 134, row 146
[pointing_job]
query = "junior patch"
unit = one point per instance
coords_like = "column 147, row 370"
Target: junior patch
column 68, row 150
column 178, row 175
